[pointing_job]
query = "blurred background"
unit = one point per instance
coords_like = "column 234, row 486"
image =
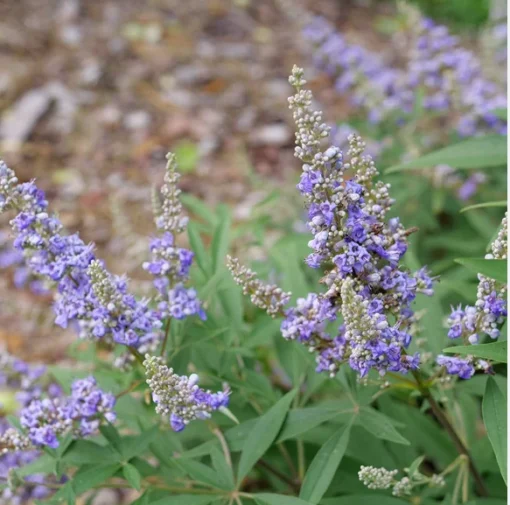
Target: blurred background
column 94, row 93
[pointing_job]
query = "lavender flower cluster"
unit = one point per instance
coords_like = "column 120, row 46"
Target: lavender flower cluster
column 445, row 176
column 33, row 487
column 22, row 383
column 13, row 259
column 170, row 264
column 29, row 381
column 43, row 420
column 179, row 398
column 449, row 76
column 486, row 317
column 365, row 282
column 85, row 292
column 104, row 310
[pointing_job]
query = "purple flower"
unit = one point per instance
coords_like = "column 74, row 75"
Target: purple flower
column 457, row 366
column 179, row 398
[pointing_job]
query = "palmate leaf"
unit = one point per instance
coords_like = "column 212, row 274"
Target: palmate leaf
column 496, row 351
column 263, row 434
column 478, row 152
column 495, row 419
column 494, row 269
column 324, row 465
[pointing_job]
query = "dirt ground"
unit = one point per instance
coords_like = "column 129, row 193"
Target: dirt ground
column 94, row 93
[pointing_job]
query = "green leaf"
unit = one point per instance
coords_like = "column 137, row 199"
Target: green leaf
column 91, row 476
column 69, row 494
column 43, row 464
column 500, row 203
column 65, row 376
column 142, row 500
column 137, row 445
column 278, row 499
column 85, row 452
column 263, row 434
column 220, row 241
column 415, row 465
column 198, row 248
column 199, row 472
column 302, row 420
column 495, row 419
column 494, row 269
column 112, row 435
column 496, row 351
column 380, row 426
column 196, row 206
column 186, row 499
column 132, row 475
column 479, row 152
column 324, row 466
column 368, row 499
column 223, row 469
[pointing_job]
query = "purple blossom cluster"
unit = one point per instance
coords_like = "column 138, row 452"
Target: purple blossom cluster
column 13, row 259
column 178, row 398
column 360, row 250
column 170, row 264
column 29, row 381
column 366, row 286
column 450, row 78
column 117, row 314
column 104, row 310
column 486, row 317
column 85, row 292
column 445, row 176
column 32, row 487
column 43, row 420
column 26, row 383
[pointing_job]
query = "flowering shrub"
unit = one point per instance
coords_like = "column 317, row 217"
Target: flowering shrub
column 379, row 406
column 438, row 91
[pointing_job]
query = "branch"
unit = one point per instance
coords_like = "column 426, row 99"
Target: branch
column 459, row 445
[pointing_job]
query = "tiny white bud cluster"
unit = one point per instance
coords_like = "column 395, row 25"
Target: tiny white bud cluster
column 500, row 245
column 168, row 216
column 268, row 297
column 12, row 440
column 377, row 478
column 403, row 487
column 179, row 398
column 8, row 183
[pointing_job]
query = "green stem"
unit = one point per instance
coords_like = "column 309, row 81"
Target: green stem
column 292, row 484
column 136, row 355
column 165, row 339
column 459, row 444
